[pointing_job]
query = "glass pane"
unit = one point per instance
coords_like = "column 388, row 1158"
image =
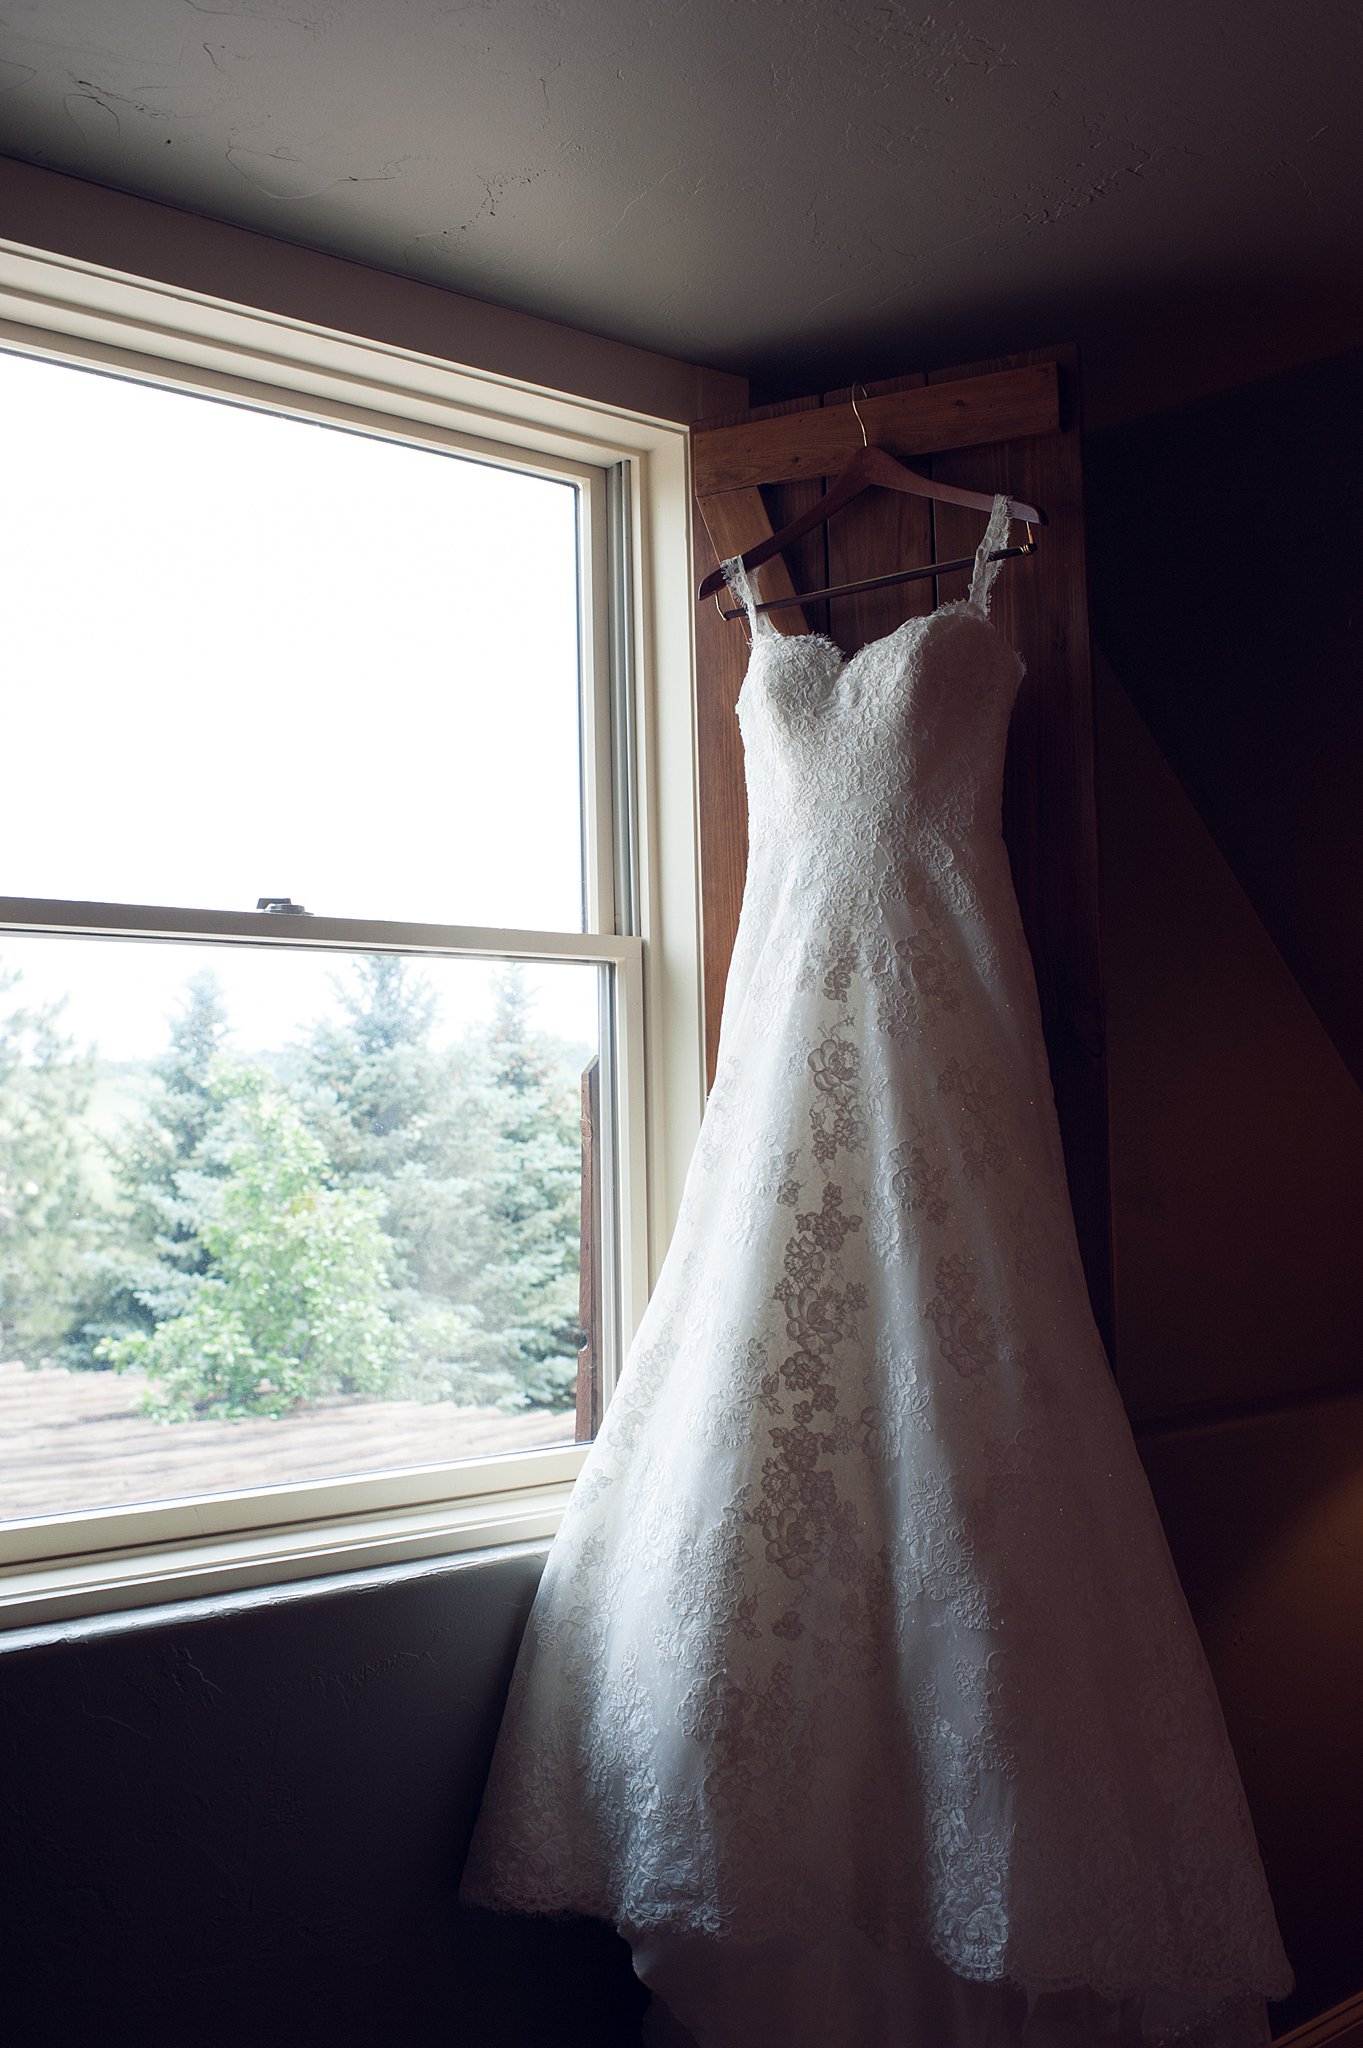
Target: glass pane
column 249, row 656
column 269, row 1215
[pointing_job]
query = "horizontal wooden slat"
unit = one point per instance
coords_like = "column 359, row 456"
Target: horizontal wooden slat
column 1341, row 2027
column 1007, row 406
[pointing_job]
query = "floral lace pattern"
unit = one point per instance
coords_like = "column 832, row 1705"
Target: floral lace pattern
column 861, row 1625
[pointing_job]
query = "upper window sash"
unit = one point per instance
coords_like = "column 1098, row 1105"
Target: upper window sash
column 605, row 842
column 85, row 313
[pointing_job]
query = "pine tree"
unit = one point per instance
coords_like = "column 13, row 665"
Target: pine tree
column 385, row 1102
column 530, row 1206
column 45, row 1088
column 184, row 1109
column 147, row 1253
column 474, row 1154
column 380, row 1082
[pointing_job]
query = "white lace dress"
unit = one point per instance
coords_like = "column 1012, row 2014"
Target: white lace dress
column 860, row 1692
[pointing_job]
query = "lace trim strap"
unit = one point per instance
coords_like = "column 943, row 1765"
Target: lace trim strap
column 985, row 570
column 736, row 576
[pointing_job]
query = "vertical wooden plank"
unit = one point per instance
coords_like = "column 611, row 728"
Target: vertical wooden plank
column 721, row 799
column 721, row 659
column 737, row 521
column 807, row 560
column 872, row 536
column 1040, row 603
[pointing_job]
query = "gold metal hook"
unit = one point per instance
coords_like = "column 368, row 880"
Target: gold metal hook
column 860, row 421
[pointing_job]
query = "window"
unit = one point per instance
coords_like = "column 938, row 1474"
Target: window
column 333, row 1151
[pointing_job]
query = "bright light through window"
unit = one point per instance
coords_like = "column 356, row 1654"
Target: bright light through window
column 248, row 655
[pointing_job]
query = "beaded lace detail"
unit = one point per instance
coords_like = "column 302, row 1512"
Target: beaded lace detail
column 861, row 1617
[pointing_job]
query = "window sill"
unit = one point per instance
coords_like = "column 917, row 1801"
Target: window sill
column 151, row 1574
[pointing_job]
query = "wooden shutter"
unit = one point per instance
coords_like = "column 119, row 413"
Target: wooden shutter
column 1008, row 424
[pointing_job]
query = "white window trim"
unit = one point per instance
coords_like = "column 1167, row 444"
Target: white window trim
column 74, row 1565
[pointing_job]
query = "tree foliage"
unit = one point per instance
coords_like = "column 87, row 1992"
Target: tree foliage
column 292, row 1298
column 385, row 1101
column 44, row 1230
column 375, row 1211
column 528, row 1203
column 475, row 1155
column 145, row 1249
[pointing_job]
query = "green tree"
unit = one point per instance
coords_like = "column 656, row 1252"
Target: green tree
column 529, row 1202
column 184, row 1108
column 293, row 1296
column 378, row 1076
column 147, row 1250
column 384, row 1100
column 45, row 1222
column 474, row 1154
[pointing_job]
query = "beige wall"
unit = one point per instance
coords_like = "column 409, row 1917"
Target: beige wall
column 46, row 210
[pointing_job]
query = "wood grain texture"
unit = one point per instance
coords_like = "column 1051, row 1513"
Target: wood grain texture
column 1040, row 604
column 913, row 418
column 721, row 660
column 1340, row 2027
column 722, row 807
column 737, row 521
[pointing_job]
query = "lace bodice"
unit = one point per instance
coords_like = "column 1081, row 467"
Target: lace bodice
column 860, row 770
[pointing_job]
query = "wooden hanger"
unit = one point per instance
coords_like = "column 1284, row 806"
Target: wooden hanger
column 867, row 468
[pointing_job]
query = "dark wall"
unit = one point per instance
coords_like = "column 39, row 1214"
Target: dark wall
column 241, row 1822
column 1265, row 1520
column 1224, row 541
column 1236, row 1127
column 1237, row 1159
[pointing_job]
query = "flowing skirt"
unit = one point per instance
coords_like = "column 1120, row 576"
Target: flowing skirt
column 860, row 1691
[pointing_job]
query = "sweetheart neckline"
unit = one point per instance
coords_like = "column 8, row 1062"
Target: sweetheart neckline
column 847, row 661
column 952, row 605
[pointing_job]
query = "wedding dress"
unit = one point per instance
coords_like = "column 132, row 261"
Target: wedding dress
column 860, row 1692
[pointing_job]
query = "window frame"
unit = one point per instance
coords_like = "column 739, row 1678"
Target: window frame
column 641, row 901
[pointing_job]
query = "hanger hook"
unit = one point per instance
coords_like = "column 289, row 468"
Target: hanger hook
column 860, row 421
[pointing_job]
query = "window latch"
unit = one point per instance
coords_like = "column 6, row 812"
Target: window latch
column 281, row 906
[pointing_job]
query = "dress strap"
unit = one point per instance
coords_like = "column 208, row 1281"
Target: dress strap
column 736, row 576
column 985, row 570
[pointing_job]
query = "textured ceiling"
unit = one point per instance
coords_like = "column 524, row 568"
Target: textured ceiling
column 794, row 188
